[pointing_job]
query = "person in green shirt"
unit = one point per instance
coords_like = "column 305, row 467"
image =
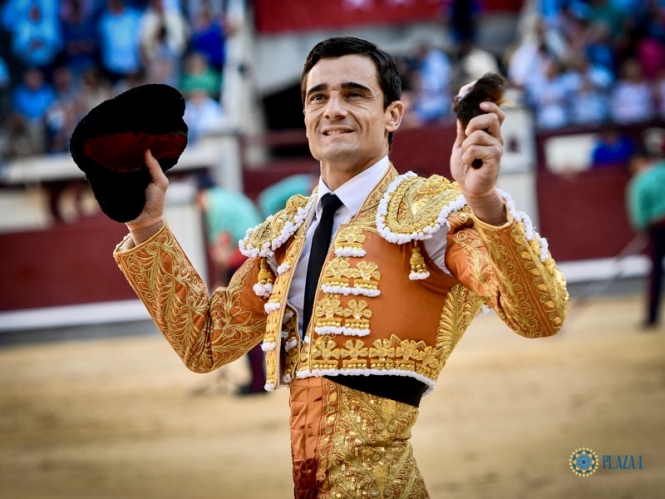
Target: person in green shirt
column 646, row 209
column 228, row 214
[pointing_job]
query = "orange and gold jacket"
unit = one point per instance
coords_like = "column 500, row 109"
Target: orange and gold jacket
column 382, row 306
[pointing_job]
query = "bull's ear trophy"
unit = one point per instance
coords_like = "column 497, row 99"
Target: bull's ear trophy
column 108, row 145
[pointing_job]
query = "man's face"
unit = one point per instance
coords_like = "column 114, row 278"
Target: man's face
column 347, row 126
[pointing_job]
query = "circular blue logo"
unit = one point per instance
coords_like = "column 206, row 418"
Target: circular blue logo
column 583, row 462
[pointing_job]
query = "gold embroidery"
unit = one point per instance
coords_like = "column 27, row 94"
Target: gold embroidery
column 292, row 354
column 261, row 238
column 328, row 310
column 325, row 351
column 265, row 275
column 393, row 353
column 337, row 272
column 459, row 309
column 417, row 261
column 418, row 202
column 357, row 314
column 206, row 332
column 356, row 352
column 366, row 274
column 521, row 280
column 364, row 449
column 350, row 238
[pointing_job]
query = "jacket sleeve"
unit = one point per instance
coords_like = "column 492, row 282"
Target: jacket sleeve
column 205, row 331
column 514, row 273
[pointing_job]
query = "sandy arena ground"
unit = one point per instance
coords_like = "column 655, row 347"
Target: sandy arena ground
column 120, row 417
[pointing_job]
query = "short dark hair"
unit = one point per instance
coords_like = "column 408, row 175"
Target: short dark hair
column 386, row 68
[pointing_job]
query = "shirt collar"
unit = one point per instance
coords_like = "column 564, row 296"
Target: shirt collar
column 354, row 192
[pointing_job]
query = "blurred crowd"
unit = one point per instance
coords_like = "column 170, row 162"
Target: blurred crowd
column 576, row 63
column 60, row 58
column 592, row 62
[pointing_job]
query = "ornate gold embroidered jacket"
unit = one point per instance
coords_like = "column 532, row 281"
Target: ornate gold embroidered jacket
column 382, row 306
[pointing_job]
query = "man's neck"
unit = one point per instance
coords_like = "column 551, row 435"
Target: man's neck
column 336, row 175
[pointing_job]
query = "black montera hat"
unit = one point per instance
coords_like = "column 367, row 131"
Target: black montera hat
column 108, row 144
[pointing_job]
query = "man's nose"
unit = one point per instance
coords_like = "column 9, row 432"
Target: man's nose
column 335, row 107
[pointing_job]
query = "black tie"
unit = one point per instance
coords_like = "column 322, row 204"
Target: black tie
column 318, row 253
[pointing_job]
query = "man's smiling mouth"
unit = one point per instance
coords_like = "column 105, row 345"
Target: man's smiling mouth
column 336, row 132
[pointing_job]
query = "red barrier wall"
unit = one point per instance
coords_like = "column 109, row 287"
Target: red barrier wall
column 64, row 265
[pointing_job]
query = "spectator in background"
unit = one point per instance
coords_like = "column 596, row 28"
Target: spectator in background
column 164, row 37
column 198, row 74
column 612, row 148
column 599, row 48
column 95, row 89
column 34, row 26
column 203, row 114
column 33, row 97
column 590, row 87
column 30, row 101
column 119, row 42
column 79, row 35
column 5, row 89
column 431, row 84
column 63, row 115
column 608, row 13
column 549, row 97
column 646, row 207
column 529, row 60
column 228, row 215
column 632, row 98
column 5, row 107
column 209, row 37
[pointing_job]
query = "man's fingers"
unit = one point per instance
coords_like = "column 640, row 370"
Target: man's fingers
column 461, row 136
column 155, row 170
column 483, row 153
column 489, row 123
column 481, row 138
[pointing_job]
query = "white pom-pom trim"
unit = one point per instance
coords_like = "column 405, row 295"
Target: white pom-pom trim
column 290, row 345
column 262, row 290
column 484, row 311
column 427, row 232
column 343, row 330
column 271, row 307
column 288, row 230
column 286, row 379
column 529, row 232
column 267, row 346
column 345, row 251
column 347, row 290
column 269, row 387
column 418, row 276
column 283, row 268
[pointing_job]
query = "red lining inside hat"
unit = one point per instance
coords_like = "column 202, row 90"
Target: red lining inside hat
column 123, row 152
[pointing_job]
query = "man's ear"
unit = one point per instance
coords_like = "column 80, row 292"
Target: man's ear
column 394, row 114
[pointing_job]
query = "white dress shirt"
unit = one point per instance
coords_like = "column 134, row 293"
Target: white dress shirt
column 352, row 194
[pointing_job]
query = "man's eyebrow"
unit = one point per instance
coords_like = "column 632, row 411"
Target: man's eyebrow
column 316, row 88
column 349, row 85
column 352, row 85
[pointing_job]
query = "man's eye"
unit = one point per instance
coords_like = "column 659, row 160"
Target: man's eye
column 355, row 94
column 316, row 97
